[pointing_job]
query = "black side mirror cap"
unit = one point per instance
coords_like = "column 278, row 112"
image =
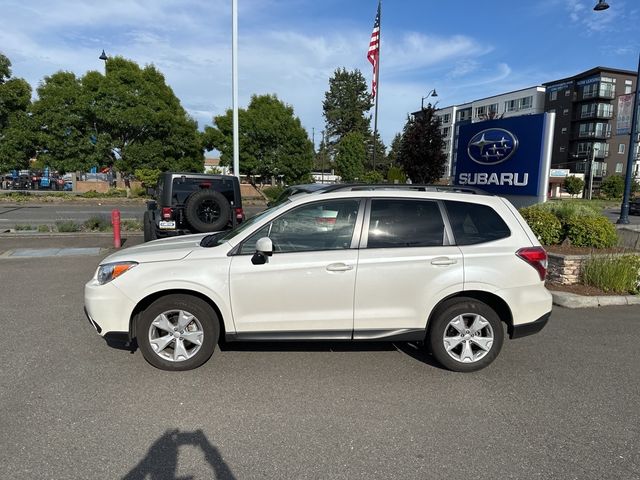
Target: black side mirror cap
column 259, row 258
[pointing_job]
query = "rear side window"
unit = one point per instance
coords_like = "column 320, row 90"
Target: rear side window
column 405, row 223
column 473, row 223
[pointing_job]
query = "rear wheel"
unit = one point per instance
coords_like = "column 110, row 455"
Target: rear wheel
column 207, row 211
column 149, row 227
column 177, row 332
column 466, row 335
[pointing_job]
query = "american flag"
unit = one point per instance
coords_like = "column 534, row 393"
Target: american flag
column 373, row 55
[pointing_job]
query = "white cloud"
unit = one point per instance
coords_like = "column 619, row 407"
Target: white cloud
column 189, row 41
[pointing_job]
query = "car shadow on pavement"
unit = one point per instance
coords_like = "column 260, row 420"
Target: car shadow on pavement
column 306, row 346
column 415, row 350
column 418, row 351
column 161, row 461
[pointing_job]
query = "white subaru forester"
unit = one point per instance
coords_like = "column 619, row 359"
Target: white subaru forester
column 454, row 270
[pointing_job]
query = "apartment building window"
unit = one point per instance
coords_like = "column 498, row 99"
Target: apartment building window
column 552, row 110
column 621, row 148
column 446, row 118
column 445, row 131
column 481, row 111
column 493, row 108
column 565, row 112
column 511, row 105
column 607, row 89
column 590, row 90
column 564, row 130
column 628, row 84
column 567, row 92
column 526, row 102
column 619, row 167
column 563, row 149
column 553, row 95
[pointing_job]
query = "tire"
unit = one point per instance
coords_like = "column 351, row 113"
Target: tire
column 207, row 211
column 460, row 344
column 149, row 227
column 158, row 332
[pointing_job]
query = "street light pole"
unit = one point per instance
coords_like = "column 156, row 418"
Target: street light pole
column 633, row 140
column 104, row 57
column 593, row 160
column 432, row 93
column 234, row 87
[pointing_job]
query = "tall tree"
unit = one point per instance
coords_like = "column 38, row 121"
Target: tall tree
column 421, row 156
column 345, row 107
column 350, row 157
column 394, row 151
column 382, row 163
column 273, row 142
column 141, row 120
column 17, row 143
column 128, row 118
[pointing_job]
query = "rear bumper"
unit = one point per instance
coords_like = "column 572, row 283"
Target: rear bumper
column 526, row 329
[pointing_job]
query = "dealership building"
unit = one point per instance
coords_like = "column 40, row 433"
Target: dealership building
column 592, row 113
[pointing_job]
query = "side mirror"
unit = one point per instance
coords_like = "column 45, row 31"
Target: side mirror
column 264, row 249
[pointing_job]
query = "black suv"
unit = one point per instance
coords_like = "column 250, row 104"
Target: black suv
column 192, row 203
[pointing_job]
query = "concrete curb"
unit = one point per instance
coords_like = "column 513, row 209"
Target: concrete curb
column 572, row 300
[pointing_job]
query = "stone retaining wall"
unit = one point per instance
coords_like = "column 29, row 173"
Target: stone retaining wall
column 565, row 269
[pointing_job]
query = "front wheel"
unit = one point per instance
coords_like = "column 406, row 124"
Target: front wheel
column 466, row 335
column 177, row 332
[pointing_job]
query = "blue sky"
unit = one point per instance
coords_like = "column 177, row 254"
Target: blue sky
column 466, row 49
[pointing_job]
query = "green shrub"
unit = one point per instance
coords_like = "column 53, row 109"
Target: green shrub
column 272, row 192
column 544, row 224
column 618, row 274
column 595, row 232
column 372, row 177
column 97, row 223
column 613, row 186
column 565, row 210
column 396, row 175
column 131, row 225
column 44, row 228
column 138, row 192
column 67, row 226
column 23, row 227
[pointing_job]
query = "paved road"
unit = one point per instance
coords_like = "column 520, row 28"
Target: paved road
column 561, row 404
column 614, row 214
column 37, row 214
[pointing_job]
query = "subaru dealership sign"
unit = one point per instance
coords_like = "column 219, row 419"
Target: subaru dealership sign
column 510, row 157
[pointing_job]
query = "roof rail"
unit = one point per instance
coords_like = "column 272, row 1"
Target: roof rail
column 401, row 186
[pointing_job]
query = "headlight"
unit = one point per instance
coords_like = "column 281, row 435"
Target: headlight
column 109, row 271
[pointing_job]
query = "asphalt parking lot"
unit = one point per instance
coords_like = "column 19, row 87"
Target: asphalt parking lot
column 561, row 404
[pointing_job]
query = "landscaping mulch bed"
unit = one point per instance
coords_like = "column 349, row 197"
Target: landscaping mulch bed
column 579, row 289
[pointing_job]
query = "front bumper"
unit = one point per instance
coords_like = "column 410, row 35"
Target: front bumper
column 107, row 308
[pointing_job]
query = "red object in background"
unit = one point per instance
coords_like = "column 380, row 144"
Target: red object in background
column 115, row 221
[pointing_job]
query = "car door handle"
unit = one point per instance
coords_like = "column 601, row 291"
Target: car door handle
column 339, row 267
column 443, row 261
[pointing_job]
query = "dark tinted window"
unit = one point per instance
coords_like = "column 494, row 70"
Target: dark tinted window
column 473, row 223
column 405, row 223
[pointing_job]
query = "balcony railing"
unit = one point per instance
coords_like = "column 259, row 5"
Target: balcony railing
column 595, row 114
column 609, row 95
column 596, row 134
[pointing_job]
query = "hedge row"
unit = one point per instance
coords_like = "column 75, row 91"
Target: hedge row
column 582, row 226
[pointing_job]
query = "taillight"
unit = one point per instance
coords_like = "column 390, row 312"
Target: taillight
column 536, row 257
column 166, row 213
column 239, row 214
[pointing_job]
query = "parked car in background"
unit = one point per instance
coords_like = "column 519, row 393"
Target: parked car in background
column 634, row 206
column 187, row 203
column 453, row 270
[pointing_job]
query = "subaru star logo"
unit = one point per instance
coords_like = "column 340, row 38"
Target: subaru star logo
column 492, row 146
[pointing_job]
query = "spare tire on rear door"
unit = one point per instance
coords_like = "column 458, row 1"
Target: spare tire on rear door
column 207, row 211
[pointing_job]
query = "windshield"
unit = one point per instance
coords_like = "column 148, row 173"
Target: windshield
column 221, row 237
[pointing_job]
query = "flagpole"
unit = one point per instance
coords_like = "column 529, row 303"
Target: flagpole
column 375, row 115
